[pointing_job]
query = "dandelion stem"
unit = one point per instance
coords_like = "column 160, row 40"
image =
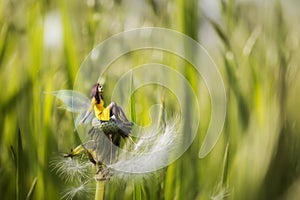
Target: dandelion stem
column 99, row 194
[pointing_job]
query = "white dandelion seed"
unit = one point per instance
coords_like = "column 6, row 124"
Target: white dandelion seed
column 220, row 193
column 154, row 150
column 71, row 169
column 80, row 191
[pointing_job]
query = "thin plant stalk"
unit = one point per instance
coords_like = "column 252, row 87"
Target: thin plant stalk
column 99, row 193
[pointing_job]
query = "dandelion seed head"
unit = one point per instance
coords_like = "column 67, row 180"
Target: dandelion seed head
column 151, row 152
column 71, row 169
column 79, row 191
column 139, row 161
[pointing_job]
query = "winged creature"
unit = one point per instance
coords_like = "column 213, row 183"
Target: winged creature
column 109, row 124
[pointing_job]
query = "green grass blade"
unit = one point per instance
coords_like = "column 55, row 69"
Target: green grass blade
column 162, row 115
column 137, row 195
column 132, row 101
column 72, row 63
column 222, row 35
column 17, row 156
column 170, row 182
column 32, row 189
column 225, row 167
column 3, row 41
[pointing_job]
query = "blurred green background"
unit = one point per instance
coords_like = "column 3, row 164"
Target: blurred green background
column 255, row 45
